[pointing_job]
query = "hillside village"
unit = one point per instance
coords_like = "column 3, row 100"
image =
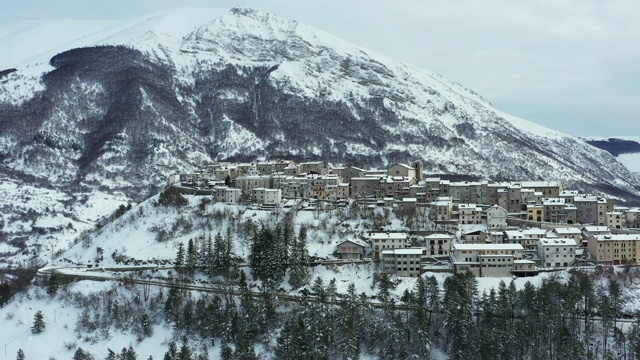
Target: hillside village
column 493, row 229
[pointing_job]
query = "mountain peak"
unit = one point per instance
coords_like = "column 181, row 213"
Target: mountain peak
column 244, row 10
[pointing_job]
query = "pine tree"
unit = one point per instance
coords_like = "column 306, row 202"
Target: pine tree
column 179, row 263
column 172, row 353
column 192, row 257
column 81, row 354
column 219, row 247
column 52, row 284
column 111, row 355
column 38, row 323
column 185, row 351
column 298, row 269
column 20, row 355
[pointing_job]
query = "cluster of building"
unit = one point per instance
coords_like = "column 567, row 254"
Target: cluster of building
column 519, row 252
column 489, row 216
column 451, row 202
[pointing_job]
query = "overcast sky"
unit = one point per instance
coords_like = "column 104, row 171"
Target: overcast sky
column 571, row 65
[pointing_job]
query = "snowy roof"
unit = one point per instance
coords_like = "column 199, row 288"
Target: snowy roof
column 497, row 207
column 356, row 242
column 567, row 231
column 403, row 165
column 438, row 236
column 557, row 242
column 617, row 237
column 385, row 235
column 407, row 251
column 523, row 232
column 524, row 262
column 538, row 184
column 596, row 229
column 553, row 201
column 488, row 247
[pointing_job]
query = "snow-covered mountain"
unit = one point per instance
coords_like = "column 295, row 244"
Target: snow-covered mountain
column 127, row 104
column 626, row 149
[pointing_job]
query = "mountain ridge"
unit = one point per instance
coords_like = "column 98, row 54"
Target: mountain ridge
column 161, row 102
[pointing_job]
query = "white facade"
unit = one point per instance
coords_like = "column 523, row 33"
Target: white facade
column 493, row 260
column 557, row 252
column 267, row 196
column 469, row 214
column 438, row 244
column 383, row 241
column 496, row 218
column 402, row 262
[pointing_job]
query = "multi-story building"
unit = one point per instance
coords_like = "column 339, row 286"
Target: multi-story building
column 226, row 195
column 349, row 172
column 387, row 240
column 315, row 167
column 568, row 233
column 615, row 249
column 556, row 252
column 493, row 260
column 368, row 186
column 402, row 262
column 528, row 238
column 402, row 170
column 633, row 218
column 496, row 218
column 554, row 210
column 438, row 245
column 469, row 214
column 442, row 209
column 535, row 212
column 267, row 196
column 247, row 182
column 615, row 219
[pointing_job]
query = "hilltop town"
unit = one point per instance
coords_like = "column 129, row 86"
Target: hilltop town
column 493, row 229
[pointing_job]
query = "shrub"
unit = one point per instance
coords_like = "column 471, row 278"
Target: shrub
column 171, row 197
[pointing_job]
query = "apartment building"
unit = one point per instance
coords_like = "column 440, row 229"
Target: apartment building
column 492, row 260
column 402, row 262
column 556, row 252
column 616, row 249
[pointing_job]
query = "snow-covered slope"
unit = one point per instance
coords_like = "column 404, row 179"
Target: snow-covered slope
column 191, row 86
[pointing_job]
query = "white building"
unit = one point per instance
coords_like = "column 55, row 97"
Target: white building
column 267, row 196
column 492, row 260
column 402, row 262
column 469, row 214
column 557, row 252
column 496, row 218
column 387, row 240
column 438, row 245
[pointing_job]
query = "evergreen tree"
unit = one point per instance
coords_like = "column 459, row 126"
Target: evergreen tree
column 81, row 354
column 218, row 257
column 111, row 355
column 179, row 263
column 38, row 323
column 298, row 268
column 128, row 354
column 192, row 257
column 172, row 353
column 52, row 284
column 20, row 355
column 185, row 351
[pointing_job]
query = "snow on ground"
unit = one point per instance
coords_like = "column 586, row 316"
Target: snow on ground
column 631, row 161
column 48, row 220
